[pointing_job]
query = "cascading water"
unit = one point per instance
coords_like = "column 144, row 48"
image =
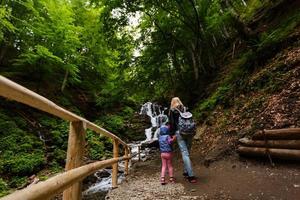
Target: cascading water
column 157, row 116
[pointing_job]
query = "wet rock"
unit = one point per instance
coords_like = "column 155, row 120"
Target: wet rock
column 89, row 180
column 103, row 174
column 150, row 144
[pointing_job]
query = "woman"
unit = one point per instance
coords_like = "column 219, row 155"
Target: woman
column 184, row 143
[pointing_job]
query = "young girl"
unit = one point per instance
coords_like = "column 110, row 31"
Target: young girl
column 165, row 146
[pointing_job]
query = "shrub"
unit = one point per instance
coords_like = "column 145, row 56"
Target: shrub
column 98, row 146
column 3, row 188
column 21, row 152
column 21, row 163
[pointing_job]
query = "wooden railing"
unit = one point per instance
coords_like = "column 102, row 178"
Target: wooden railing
column 70, row 181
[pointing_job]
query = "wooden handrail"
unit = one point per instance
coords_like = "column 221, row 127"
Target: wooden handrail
column 56, row 184
column 72, row 178
column 14, row 91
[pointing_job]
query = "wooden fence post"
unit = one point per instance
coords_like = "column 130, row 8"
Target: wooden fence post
column 115, row 166
column 76, row 144
column 126, row 161
column 139, row 152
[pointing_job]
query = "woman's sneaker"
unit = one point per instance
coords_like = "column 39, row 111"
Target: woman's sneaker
column 192, row 179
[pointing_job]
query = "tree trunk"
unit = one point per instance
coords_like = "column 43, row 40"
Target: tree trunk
column 284, row 134
column 290, row 154
column 194, row 63
column 64, row 81
column 280, row 144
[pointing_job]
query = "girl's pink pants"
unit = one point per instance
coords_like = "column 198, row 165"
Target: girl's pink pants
column 166, row 160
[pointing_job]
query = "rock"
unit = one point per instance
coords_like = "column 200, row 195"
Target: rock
column 102, row 174
column 150, row 144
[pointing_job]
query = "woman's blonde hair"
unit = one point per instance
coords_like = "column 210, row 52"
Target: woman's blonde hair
column 176, row 103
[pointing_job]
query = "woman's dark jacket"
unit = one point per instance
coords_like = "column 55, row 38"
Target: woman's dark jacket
column 173, row 117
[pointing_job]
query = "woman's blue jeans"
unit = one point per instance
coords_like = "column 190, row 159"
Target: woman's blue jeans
column 185, row 144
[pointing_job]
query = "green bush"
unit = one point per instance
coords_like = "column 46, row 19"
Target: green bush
column 21, row 152
column 98, row 146
column 3, row 188
column 127, row 112
column 57, row 130
column 17, row 181
column 21, row 163
column 113, row 123
column 279, row 33
column 220, row 96
column 59, row 156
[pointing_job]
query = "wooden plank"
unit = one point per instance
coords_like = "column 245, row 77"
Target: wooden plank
column 283, row 134
column 290, row 154
column 277, row 144
column 53, row 186
column 76, row 146
column 115, row 165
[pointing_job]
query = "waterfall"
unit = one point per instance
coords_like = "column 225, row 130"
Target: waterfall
column 157, row 117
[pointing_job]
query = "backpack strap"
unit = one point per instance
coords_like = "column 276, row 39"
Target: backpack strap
column 184, row 109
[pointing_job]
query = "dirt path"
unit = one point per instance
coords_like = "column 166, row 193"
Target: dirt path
column 230, row 178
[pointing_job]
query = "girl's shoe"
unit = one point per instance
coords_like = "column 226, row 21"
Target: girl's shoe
column 192, row 179
column 163, row 181
column 185, row 174
column 172, row 180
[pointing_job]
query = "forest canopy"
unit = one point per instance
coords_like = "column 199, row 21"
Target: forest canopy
column 119, row 51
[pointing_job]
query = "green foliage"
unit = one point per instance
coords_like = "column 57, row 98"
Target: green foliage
column 270, row 79
column 113, row 123
column 56, row 131
column 98, row 146
column 5, row 24
column 3, row 188
column 17, row 181
column 21, row 163
column 220, row 96
column 83, row 52
column 224, row 94
column 21, row 152
column 248, row 11
column 276, row 35
column 127, row 112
